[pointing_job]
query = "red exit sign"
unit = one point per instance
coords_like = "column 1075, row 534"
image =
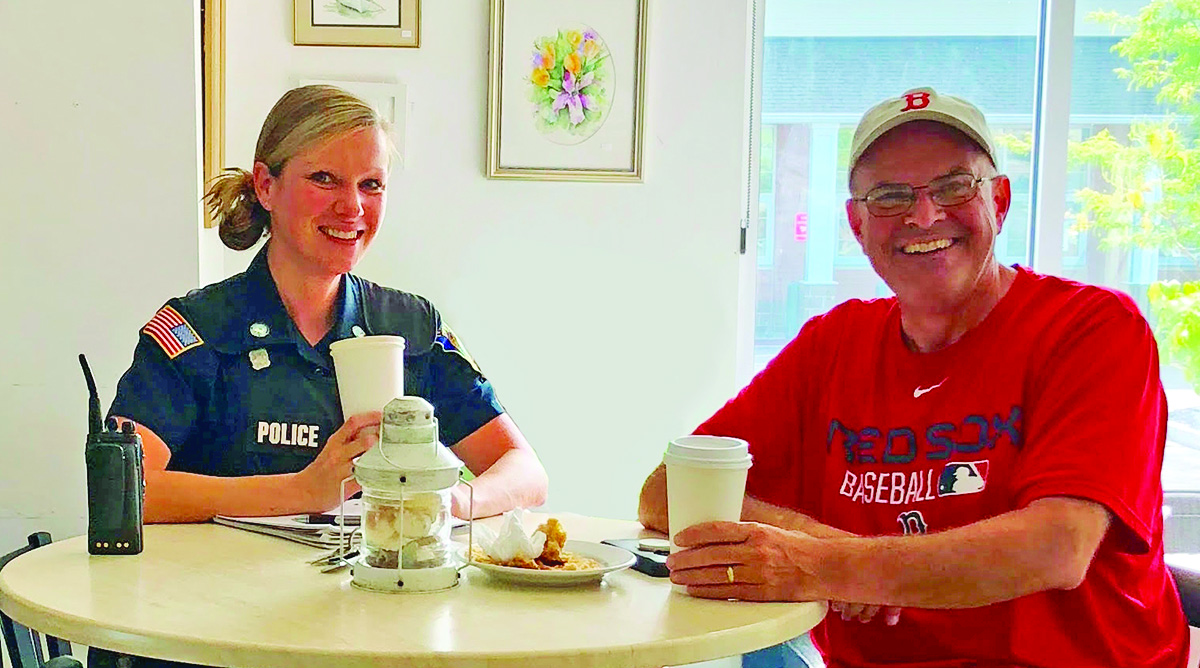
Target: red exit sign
column 801, row 229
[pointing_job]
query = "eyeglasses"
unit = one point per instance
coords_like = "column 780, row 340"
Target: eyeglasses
column 894, row 199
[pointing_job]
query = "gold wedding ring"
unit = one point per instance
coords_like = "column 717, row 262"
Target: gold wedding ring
column 729, row 574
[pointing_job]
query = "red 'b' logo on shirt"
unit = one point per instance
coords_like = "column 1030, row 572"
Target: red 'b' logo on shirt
column 918, row 100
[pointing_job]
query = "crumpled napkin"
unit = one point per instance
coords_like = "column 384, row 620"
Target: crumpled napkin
column 510, row 542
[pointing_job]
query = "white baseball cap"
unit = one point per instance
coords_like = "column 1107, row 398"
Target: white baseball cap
column 921, row 104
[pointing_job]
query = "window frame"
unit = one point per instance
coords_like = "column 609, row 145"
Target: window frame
column 1049, row 175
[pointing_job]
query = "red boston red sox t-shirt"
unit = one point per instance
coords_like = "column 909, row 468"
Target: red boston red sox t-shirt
column 1055, row 393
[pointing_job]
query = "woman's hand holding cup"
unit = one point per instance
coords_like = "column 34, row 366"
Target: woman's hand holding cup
column 322, row 479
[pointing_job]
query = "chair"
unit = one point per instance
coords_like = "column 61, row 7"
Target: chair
column 24, row 644
column 1188, row 582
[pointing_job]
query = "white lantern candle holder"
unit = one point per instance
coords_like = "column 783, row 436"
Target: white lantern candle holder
column 405, row 543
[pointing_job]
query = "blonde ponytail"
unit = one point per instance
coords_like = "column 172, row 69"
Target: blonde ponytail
column 233, row 206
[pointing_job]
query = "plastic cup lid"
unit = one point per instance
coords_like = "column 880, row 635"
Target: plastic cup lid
column 364, row 341
column 709, row 452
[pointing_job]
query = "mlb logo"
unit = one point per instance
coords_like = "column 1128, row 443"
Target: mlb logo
column 962, row 478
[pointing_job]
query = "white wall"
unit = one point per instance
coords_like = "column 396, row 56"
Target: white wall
column 604, row 313
column 99, row 184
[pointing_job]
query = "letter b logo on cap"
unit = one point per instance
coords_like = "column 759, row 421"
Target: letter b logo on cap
column 916, row 100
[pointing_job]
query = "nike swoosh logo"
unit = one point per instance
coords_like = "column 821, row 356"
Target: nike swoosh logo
column 923, row 390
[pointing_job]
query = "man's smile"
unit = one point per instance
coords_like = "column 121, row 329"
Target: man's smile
column 924, row 247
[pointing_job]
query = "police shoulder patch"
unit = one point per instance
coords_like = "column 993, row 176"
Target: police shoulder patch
column 450, row 343
column 172, row 332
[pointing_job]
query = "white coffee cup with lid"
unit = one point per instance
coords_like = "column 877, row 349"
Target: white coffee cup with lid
column 369, row 371
column 706, row 481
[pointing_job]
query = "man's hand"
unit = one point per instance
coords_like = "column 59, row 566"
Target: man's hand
column 864, row 612
column 760, row 511
column 652, row 512
column 322, row 479
column 652, row 502
column 758, row 562
column 748, row 561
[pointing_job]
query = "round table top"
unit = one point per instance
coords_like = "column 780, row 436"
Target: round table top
column 210, row 594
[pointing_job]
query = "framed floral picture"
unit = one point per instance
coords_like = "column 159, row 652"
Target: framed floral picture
column 566, row 90
column 357, row 22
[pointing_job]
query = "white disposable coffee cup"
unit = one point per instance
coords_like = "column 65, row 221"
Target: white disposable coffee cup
column 706, row 481
column 369, row 371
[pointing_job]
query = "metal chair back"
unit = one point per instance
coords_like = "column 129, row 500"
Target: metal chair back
column 24, row 645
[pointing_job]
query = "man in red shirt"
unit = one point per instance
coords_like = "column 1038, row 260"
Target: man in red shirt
column 982, row 450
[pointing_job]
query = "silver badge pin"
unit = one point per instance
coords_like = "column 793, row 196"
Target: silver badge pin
column 259, row 329
column 259, row 359
column 358, row 331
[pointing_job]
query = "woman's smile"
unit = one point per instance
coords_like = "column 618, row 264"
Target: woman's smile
column 342, row 235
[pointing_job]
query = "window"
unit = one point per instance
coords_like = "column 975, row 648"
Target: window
column 820, row 71
column 766, row 200
column 1133, row 208
column 1132, row 215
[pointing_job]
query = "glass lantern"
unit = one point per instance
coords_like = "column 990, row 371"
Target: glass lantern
column 406, row 481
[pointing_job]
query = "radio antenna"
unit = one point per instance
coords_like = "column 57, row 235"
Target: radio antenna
column 95, row 424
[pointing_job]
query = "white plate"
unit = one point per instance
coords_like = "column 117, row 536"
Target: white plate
column 611, row 559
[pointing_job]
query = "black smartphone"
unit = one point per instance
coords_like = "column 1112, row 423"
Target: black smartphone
column 652, row 562
column 331, row 518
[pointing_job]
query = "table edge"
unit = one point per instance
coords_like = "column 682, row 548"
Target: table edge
column 179, row 647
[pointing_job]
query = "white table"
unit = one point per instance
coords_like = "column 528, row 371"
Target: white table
column 214, row 595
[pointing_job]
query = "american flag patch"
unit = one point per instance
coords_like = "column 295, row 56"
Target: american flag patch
column 172, row 332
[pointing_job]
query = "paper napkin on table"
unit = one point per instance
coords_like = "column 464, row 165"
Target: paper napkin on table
column 510, row 542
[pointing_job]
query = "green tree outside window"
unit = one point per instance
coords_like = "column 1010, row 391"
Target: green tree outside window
column 1151, row 196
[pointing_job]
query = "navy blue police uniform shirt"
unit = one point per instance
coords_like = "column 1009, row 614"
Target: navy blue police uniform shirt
column 225, row 378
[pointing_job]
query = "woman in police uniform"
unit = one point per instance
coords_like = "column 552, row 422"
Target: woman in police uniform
column 232, row 386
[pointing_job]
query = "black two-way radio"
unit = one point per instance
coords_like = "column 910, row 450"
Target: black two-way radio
column 114, row 480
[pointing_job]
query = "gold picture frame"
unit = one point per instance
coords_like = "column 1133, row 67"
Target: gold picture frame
column 566, row 90
column 213, row 65
column 357, row 23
